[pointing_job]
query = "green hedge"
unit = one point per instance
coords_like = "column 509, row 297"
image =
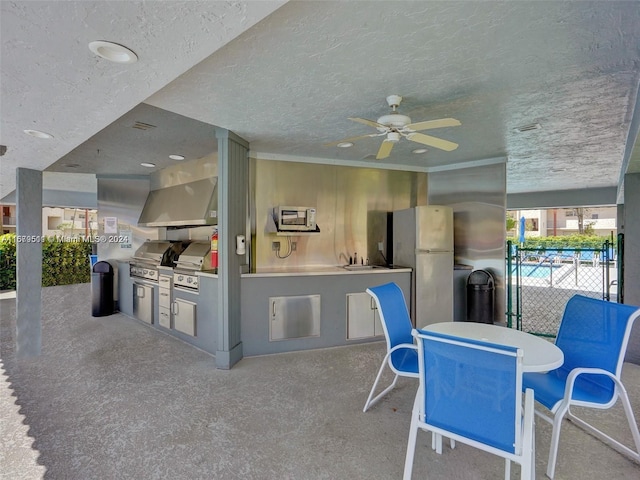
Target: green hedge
column 573, row 242
column 63, row 263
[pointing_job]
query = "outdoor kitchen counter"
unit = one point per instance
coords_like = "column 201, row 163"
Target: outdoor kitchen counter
column 311, row 307
column 319, row 270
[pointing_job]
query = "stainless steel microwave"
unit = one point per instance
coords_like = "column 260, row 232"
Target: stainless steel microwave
column 296, row 219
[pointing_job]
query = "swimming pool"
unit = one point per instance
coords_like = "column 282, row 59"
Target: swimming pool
column 535, row 271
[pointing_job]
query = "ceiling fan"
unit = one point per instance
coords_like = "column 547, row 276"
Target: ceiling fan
column 394, row 126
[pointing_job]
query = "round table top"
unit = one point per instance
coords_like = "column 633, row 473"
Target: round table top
column 540, row 355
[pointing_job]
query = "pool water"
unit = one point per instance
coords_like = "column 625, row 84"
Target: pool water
column 535, row 271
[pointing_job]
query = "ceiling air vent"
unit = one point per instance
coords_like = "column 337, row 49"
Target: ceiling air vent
column 528, row 128
column 143, row 126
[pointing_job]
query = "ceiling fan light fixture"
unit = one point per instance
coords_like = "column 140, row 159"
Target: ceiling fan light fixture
column 345, row 144
column 393, row 137
column 419, row 150
column 113, row 52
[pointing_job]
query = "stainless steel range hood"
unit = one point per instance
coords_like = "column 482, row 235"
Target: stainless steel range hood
column 187, row 204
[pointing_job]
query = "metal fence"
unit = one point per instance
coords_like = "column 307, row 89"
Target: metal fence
column 540, row 281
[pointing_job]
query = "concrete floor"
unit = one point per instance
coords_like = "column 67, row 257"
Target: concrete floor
column 111, row 398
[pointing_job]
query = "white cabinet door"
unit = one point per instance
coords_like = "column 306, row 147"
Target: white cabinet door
column 377, row 323
column 184, row 317
column 362, row 318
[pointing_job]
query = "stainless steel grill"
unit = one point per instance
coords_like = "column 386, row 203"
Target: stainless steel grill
column 196, row 257
column 151, row 255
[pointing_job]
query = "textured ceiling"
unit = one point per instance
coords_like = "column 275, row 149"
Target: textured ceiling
column 52, row 82
column 288, row 83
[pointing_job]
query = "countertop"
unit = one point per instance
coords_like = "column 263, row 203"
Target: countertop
column 304, row 271
column 324, row 270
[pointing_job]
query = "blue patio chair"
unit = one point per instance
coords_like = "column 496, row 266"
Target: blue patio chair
column 593, row 336
column 402, row 353
column 589, row 256
column 471, row 392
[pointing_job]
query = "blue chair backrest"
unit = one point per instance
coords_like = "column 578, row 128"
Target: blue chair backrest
column 393, row 313
column 587, row 255
column 473, row 388
column 594, row 333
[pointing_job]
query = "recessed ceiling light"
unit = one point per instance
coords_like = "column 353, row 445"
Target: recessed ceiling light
column 176, row 157
column 148, row 164
column 345, row 144
column 113, row 52
column 38, row 134
column 420, row 150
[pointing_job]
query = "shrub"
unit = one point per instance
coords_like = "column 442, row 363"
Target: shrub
column 63, row 263
column 573, row 242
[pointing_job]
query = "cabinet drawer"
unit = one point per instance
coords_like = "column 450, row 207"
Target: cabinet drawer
column 164, row 298
column 165, row 317
column 164, row 281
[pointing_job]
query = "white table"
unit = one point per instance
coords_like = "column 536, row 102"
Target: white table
column 540, row 355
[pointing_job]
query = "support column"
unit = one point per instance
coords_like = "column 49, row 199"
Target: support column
column 233, row 211
column 631, row 232
column 28, row 262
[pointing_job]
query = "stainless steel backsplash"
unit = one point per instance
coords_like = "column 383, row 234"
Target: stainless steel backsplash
column 351, row 210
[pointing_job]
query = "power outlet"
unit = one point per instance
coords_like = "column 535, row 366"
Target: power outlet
column 381, row 246
column 275, row 246
column 294, row 246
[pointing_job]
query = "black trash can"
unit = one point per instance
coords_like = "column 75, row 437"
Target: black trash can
column 480, row 297
column 102, row 302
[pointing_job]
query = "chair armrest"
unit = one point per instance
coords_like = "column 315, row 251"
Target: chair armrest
column 576, row 372
column 411, row 346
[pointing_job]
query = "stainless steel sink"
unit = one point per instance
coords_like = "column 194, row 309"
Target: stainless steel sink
column 355, row 268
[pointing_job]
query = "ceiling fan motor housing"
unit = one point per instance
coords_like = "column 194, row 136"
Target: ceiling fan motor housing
column 394, row 120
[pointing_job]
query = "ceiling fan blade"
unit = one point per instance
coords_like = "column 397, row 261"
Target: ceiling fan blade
column 351, row 139
column 432, row 141
column 443, row 122
column 385, row 149
column 371, row 123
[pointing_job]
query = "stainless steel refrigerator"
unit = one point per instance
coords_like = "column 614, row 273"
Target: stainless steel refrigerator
column 423, row 240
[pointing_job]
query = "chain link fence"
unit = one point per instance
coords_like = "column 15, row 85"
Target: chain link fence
column 543, row 279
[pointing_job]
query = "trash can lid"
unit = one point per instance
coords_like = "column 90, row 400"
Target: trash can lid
column 480, row 277
column 102, row 267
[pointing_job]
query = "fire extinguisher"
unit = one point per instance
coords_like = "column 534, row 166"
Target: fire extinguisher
column 214, row 248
